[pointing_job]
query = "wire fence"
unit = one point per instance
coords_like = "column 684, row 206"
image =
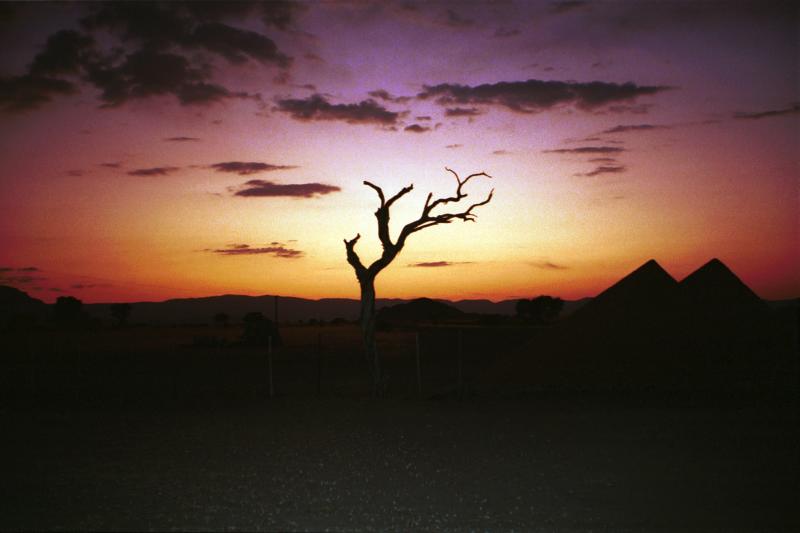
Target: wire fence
column 163, row 363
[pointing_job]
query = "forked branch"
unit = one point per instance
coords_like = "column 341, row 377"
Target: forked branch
column 426, row 220
column 352, row 256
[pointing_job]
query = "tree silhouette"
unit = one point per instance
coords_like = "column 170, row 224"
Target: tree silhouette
column 68, row 311
column 121, row 312
column 540, row 310
column 366, row 275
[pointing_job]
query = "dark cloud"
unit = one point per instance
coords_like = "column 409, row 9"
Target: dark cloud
column 587, row 150
column 280, row 13
column 316, row 107
column 416, row 128
column 237, row 46
column 154, row 171
column 18, row 269
column 462, row 112
column 154, row 25
column 23, row 93
column 262, row 188
column 181, row 139
column 64, row 53
column 504, row 33
column 501, row 152
column 423, row 117
column 434, row 264
column 277, row 13
column 454, row 146
column 147, row 49
column 148, row 73
column 558, row 8
column 276, row 250
column 637, row 109
column 584, row 140
column 20, row 279
column 75, row 173
column 111, row 165
column 382, row 94
column 244, row 168
column 161, row 24
column 537, row 95
column 623, row 128
column 602, row 160
column 547, row 265
column 603, row 169
column 89, row 285
column 791, row 110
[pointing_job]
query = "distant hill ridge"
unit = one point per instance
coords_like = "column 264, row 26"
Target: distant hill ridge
column 14, row 302
column 648, row 290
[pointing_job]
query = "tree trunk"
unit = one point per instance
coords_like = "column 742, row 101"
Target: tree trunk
column 366, row 276
column 367, row 321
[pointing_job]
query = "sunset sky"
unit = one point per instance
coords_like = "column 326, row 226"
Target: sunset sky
column 154, row 151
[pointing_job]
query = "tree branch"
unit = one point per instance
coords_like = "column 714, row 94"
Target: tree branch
column 426, row 220
column 382, row 215
column 401, row 193
column 352, row 256
column 377, row 190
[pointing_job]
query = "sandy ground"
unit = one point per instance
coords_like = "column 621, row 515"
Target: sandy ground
column 331, row 463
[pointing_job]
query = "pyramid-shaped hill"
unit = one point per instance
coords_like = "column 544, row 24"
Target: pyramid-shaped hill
column 715, row 289
column 419, row 311
column 648, row 290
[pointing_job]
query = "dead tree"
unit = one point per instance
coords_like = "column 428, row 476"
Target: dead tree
column 366, row 275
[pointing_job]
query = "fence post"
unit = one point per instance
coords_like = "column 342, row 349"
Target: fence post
column 319, row 364
column 32, row 362
column 269, row 363
column 419, row 371
column 460, row 364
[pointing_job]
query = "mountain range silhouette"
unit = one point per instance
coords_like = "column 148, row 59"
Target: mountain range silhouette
column 646, row 294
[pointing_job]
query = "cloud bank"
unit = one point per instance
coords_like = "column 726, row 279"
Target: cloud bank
column 317, row 108
column 275, row 249
column 244, row 168
column 532, row 96
column 263, row 188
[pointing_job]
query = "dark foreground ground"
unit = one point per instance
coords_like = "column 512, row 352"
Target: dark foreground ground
column 533, row 463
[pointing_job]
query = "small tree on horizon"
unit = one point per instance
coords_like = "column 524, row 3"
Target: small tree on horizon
column 366, row 275
column 540, row 310
column 68, row 311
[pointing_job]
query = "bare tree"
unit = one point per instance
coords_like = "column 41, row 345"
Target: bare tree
column 366, row 275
